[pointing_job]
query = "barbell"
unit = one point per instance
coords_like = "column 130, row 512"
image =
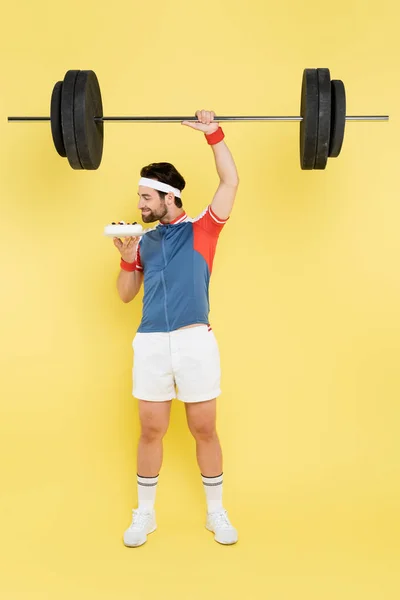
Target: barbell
column 77, row 120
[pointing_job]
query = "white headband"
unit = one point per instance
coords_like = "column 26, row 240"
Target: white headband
column 161, row 187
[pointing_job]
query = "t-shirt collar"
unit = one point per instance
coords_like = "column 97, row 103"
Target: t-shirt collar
column 176, row 221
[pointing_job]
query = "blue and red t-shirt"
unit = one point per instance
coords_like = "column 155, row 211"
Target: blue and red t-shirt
column 176, row 260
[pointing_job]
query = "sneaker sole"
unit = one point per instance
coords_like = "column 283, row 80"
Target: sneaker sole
column 219, row 542
column 142, row 544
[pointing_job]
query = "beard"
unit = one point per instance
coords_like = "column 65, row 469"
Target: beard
column 154, row 215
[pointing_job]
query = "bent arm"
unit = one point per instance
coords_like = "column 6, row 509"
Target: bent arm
column 128, row 284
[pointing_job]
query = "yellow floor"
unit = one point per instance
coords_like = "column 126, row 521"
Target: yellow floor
column 62, row 539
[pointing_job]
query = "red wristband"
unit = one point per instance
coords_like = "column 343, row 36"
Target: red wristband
column 126, row 266
column 214, row 138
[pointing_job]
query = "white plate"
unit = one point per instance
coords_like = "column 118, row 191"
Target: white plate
column 123, row 230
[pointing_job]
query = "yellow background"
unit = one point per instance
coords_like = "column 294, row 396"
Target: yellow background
column 305, row 298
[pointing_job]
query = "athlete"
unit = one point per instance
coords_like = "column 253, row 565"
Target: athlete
column 176, row 353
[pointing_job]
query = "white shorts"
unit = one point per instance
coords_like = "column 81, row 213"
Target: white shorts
column 182, row 364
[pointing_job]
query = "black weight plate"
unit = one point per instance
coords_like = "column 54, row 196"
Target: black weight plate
column 338, row 118
column 88, row 132
column 309, row 124
column 67, row 118
column 55, row 116
column 324, row 118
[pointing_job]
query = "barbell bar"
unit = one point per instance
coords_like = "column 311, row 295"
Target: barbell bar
column 180, row 119
column 77, row 119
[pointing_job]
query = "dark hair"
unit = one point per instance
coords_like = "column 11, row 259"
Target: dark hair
column 166, row 173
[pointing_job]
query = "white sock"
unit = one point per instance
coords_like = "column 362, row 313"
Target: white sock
column 213, row 490
column 147, row 487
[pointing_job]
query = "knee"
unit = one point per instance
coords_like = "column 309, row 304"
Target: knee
column 152, row 433
column 204, row 432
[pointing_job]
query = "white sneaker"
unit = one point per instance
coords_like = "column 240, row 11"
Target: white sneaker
column 142, row 524
column 219, row 524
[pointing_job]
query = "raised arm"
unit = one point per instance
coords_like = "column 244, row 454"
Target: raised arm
column 224, row 197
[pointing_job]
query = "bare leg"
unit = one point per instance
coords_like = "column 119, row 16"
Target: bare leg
column 201, row 418
column 154, row 420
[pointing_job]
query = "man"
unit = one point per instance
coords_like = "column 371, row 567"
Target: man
column 174, row 346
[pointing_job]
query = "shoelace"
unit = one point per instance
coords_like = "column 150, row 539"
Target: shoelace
column 139, row 520
column 221, row 520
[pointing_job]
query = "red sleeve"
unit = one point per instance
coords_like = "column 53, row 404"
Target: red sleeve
column 139, row 266
column 206, row 230
column 210, row 222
